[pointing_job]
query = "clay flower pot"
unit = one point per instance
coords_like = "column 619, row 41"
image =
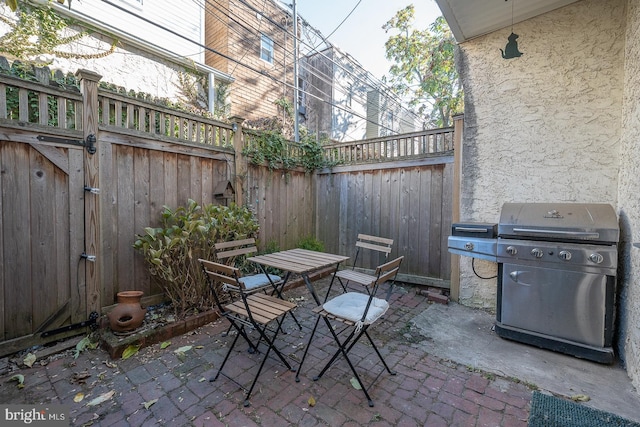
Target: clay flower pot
column 128, row 314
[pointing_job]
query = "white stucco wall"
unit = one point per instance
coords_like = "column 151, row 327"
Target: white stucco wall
column 544, row 127
column 629, row 200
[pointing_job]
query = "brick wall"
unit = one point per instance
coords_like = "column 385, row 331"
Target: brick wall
column 234, row 29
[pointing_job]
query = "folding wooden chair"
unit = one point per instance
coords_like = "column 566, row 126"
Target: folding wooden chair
column 233, row 253
column 357, row 311
column 376, row 246
column 229, row 252
column 246, row 308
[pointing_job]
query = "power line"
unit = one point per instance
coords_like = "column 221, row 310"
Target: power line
column 246, row 26
column 253, row 69
column 368, row 79
column 345, row 18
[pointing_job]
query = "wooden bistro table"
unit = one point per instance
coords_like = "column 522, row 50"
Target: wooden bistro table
column 302, row 262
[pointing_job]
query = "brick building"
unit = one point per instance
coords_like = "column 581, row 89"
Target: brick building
column 252, row 41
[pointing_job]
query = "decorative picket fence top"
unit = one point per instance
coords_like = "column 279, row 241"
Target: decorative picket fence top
column 60, row 106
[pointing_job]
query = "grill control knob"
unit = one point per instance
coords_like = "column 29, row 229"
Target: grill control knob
column 596, row 258
column 537, row 252
column 468, row 246
column 512, row 250
column 564, row 255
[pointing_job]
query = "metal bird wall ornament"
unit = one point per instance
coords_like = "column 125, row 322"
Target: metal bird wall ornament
column 511, row 49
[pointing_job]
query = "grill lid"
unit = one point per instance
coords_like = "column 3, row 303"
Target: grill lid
column 593, row 222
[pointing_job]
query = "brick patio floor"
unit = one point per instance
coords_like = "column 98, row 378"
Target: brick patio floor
column 427, row 391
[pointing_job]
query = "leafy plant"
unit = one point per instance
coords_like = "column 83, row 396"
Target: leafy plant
column 272, row 148
column 186, row 234
column 311, row 243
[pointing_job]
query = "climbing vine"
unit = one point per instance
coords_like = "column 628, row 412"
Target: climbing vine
column 270, row 144
column 35, row 31
column 272, row 148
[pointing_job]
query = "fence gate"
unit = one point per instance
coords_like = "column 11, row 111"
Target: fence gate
column 42, row 289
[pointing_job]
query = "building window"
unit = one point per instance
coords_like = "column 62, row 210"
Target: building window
column 266, row 49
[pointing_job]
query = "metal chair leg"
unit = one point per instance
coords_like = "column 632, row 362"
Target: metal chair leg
column 304, row 356
column 344, row 351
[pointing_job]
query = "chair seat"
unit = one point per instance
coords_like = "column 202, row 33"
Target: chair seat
column 257, row 280
column 352, row 305
column 264, row 308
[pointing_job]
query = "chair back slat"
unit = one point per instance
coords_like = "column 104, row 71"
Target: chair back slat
column 388, row 266
column 385, row 273
column 382, row 241
column 225, row 250
column 379, row 248
column 375, row 244
column 235, row 243
column 217, row 277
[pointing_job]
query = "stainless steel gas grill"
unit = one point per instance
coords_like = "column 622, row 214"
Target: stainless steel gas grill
column 556, row 275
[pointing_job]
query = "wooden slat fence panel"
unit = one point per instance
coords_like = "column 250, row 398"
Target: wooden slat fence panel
column 151, row 156
column 146, row 176
column 399, row 201
column 123, row 112
column 283, row 204
column 41, row 207
column 413, row 145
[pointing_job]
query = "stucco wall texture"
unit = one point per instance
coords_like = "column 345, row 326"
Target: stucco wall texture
column 560, row 123
column 629, row 199
column 543, row 127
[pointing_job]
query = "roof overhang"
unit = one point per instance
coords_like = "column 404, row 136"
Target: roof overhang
column 472, row 18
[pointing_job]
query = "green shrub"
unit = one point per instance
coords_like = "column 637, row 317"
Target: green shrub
column 310, row 243
column 188, row 233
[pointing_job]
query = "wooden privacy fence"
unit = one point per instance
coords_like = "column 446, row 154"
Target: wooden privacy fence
column 83, row 171
column 415, row 144
column 409, row 202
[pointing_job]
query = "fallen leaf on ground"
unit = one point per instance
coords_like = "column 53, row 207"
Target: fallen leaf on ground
column 165, row 344
column 78, row 397
column 102, row 398
column 580, row 398
column 183, row 349
column 19, row 378
column 29, row 359
column 355, row 384
column 311, row 401
column 149, row 403
column 130, row 351
column 84, row 344
column 80, row 377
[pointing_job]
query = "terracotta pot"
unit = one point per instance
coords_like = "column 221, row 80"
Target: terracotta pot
column 128, row 314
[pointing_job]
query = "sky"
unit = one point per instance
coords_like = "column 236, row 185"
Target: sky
column 361, row 35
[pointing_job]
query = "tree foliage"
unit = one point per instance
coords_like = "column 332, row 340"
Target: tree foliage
column 423, row 69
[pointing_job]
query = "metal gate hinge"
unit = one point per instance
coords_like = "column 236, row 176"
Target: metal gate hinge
column 91, row 323
column 89, row 144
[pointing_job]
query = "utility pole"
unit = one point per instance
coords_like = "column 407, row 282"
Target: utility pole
column 296, row 130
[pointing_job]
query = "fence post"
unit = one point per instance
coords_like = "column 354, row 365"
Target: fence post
column 458, row 126
column 89, row 89
column 241, row 164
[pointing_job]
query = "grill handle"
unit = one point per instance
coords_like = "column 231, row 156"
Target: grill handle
column 581, row 234
column 472, row 230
